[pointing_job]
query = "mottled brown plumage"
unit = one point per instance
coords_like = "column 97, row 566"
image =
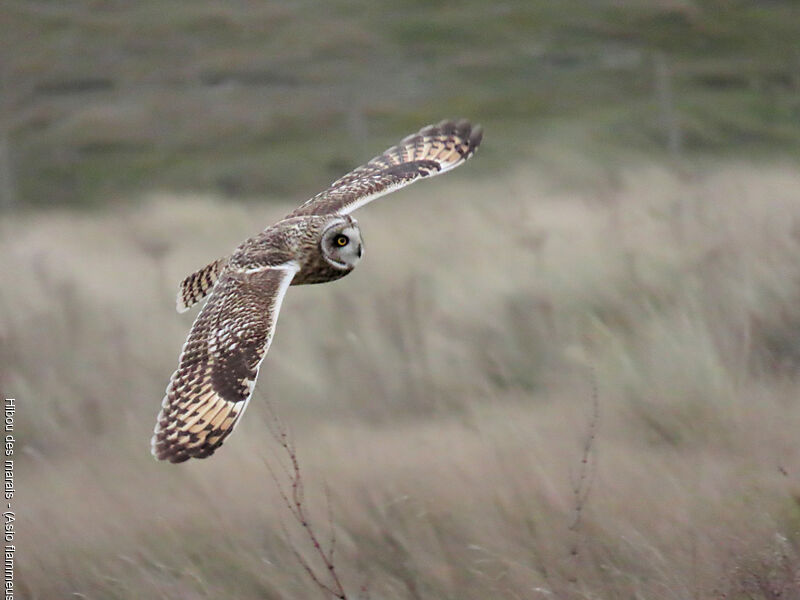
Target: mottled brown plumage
column 219, row 364
column 195, row 287
column 432, row 151
column 317, row 243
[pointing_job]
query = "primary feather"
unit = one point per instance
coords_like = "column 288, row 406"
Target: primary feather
column 431, row 151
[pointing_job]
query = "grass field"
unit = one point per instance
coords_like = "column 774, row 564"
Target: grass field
column 442, row 393
column 568, row 370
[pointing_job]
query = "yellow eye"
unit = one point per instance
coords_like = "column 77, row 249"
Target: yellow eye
column 342, row 240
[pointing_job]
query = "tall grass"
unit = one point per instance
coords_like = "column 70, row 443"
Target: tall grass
column 441, row 392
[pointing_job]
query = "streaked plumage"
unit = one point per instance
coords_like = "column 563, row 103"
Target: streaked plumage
column 317, row 243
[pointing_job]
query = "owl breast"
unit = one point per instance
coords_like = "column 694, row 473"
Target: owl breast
column 318, row 271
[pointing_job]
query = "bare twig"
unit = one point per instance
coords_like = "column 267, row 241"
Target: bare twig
column 295, row 502
column 582, row 485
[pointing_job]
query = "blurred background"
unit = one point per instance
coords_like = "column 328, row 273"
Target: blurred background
column 625, row 244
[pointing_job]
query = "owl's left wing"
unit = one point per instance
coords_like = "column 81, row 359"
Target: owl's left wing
column 219, row 364
column 432, row 151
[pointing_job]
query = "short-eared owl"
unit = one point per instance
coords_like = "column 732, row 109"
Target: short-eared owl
column 316, row 243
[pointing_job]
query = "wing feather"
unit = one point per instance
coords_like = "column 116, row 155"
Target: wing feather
column 431, row 151
column 218, row 367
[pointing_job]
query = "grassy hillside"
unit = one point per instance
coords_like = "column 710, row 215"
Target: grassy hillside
column 442, row 393
column 99, row 98
column 568, row 370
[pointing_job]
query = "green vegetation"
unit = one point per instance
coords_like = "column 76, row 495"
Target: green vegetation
column 262, row 100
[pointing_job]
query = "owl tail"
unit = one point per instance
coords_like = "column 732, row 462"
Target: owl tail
column 197, row 285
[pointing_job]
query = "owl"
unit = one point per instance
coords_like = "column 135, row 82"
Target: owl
column 319, row 242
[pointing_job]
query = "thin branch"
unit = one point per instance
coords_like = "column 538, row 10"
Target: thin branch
column 295, row 502
column 582, row 486
column 329, row 510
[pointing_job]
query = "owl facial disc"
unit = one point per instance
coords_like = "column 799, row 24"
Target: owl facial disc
column 341, row 244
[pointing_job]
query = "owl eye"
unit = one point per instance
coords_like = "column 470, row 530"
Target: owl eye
column 341, row 240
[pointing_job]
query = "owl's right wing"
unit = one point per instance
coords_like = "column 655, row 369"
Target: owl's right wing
column 219, row 363
column 431, row 151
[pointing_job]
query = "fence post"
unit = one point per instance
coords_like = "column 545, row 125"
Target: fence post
column 8, row 196
column 668, row 116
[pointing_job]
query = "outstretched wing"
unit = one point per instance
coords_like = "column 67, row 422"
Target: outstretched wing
column 432, row 151
column 219, row 363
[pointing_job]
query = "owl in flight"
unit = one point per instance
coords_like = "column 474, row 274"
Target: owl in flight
column 318, row 242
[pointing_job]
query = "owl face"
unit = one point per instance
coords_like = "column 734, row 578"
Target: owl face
column 341, row 244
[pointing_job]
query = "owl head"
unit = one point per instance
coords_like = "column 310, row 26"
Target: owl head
column 341, row 244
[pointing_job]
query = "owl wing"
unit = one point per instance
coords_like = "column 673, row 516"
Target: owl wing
column 219, row 363
column 432, row 151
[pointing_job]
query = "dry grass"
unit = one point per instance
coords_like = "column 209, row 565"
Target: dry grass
column 442, row 393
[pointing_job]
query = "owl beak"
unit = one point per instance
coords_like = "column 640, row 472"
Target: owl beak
column 359, row 251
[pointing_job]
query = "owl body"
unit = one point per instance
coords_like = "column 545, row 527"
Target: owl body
column 317, row 243
column 324, row 248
